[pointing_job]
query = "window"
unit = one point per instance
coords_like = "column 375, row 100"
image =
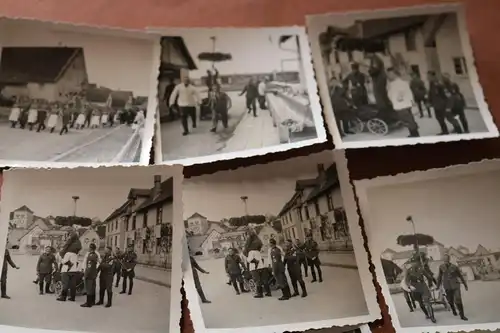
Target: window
column 158, row 245
column 133, row 222
column 329, row 201
column 460, row 66
column 299, row 214
column 350, row 56
column 316, row 208
column 144, row 246
column 306, row 210
column 116, row 240
column 126, row 223
column 145, row 219
column 293, row 233
column 411, row 40
column 109, row 227
column 116, row 225
column 159, row 215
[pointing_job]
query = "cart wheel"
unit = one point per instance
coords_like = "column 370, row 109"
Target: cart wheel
column 58, row 287
column 250, row 285
column 377, row 126
column 52, row 287
column 356, row 125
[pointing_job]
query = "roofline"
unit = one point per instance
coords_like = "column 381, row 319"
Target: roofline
column 63, row 70
column 146, row 207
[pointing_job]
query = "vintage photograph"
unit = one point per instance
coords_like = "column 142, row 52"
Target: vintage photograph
column 270, row 241
column 398, row 77
column 236, row 92
column 442, row 273
column 65, row 97
column 89, row 249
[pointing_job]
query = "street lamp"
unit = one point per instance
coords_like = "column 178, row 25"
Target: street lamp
column 75, row 199
column 244, row 199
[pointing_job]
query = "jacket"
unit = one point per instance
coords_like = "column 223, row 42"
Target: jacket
column 232, row 264
column 45, row 263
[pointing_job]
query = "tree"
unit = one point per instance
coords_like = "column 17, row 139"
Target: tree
column 101, row 231
column 276, row 224
column 70, row 220
column 246, row 220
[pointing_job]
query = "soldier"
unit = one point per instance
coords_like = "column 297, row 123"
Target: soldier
column 66, row 119
column 355, row 82
column 419, row 91
column 117, row 265
column 233, row 265
column 450, row 278
column 293, row 267
column 45, row 265
column 90, row 265
column 312, row 254
column 3, row 280
column 275, row 255
column 195, row 268
column 106, row 277
column 42, row 116
column 419, row 279
column 301, row 256
column 128, row 265
column 438, row 100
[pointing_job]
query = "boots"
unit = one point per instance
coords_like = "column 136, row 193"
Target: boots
column 258, row 293
column 110, row 299
column 101, row 297
column 303, row 287
column 460, row 308
column 88, row 303
column 286, row 294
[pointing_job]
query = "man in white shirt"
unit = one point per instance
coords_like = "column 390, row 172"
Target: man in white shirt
column 188, row 99
column 262, row 93
column 401, row 97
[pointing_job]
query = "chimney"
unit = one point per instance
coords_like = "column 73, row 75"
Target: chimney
column 157, row 186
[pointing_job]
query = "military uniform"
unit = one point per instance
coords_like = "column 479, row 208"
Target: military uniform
column 117, row 267
column 232, row 265
column 44, row 268
column 293, row 266
column 312, row 254
column 419, row 278
column 278, row 267
column 106, row 279
column 438, row 100
column 301, row 257
column 355, row 82
column 419, row 91
column 91, row 263
column 450, row 277
column 7, row 260
column 128, row 265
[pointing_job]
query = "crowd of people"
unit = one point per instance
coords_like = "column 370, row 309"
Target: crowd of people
column 421, row 286
column 94, row 271
column 75, row 112
column 282, row 267
column 395, row 98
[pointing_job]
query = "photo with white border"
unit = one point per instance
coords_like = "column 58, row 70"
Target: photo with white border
column 99, row 243
column 226, row 93
column 438, row 272
column 232, row 221
column 76, row 96
column 398, row 77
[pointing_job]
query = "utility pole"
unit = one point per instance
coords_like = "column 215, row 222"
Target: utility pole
column 244, row 199
column 75, row 200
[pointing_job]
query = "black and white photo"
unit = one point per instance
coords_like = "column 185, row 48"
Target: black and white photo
column 271, row 250
column 226, row 93
column 90, row 249
column 73, row 97
column 433, row 234
column 400, row 76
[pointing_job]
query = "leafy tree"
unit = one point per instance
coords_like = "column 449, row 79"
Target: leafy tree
column 246, row 220
column 101, row 231
column 70, row 220
column 276, row 224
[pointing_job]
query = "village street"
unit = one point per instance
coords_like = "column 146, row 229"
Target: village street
column 427, row 127
column 146, row 310
column 87, row 145
column 244, row 132
column 339, row 283
column 480, row 305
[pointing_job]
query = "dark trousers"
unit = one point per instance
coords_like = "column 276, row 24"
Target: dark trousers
column 418, row 297
column 3, row 284
column 262, row 102
column 188, row 112
column 87, row 121
column 47, row 278
column 409, row 300
column 303, row 263
column 460, row 112
column 252, row 105
column 64, row 129
column 315, row 264
column 90, row 286
column 441, row 116
column 128, row 276
column 69, row 285
column 421, row 104
column 118, row 273
column 296, row 278
column 105, row 285
column 41, row 126
column 237, row 280
column 13, row 124
column 454, row 298
column 261, row 278
column 406, row 117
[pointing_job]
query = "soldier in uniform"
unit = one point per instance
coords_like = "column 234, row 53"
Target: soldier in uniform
column 450, row 278
column 355, row 82
column 106, row 277
column 128, row 269
column 275, row 255
column 439, row 101
column 195, row 269
column 419, row 91
column 117, row 265
column 293, row 266
column 90, row 265
column 301, row 255
column 7, row 260
column 419, row 279
column 312, row 254
column 233, row 265
column 44, row 268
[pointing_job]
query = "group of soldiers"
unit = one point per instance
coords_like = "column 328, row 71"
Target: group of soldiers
column 441, row 94
column 418, row 283
column 76, row 112
column 250, row 264
column 94, row 270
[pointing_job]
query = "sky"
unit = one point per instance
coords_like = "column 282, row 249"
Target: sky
column 101, row 190
column 456, row 211
column 268, row 188
column 252, row 50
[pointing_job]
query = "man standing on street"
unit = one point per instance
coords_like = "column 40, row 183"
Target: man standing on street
column 251, row 93
column 301, row 256
column 419, row 94
column 106, row 277
column 450, row 277
column 275, row 255
column 7, row 260
column 221, row 103
column 233, row 266
column 312, row 255
column 195, row 268
column 117, row 265
column 439, row 101
column 401, row 97
column 44, row 269
column 355, row 83
column 293, row 268
column 90, row 265
column 188, row 99
column 128, row 269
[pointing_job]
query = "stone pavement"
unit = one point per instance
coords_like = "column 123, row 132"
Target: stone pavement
column 146, row 310
column 158, row 276
column 427, row 127
column 345, row 259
